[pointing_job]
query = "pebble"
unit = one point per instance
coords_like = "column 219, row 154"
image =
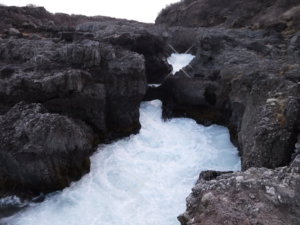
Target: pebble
column 252, row 196
column 14, row 32
column 270, row 190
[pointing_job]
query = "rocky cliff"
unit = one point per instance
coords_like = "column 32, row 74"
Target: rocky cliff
column 245, row 76
column 68, row 83
column 66, row 88
column 247, row 81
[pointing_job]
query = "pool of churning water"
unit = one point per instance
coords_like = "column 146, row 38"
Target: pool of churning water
column 143, row 179
column 140, row 180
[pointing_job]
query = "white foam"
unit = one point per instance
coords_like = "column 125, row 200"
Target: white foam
column 140, row 180
column 11, row 201
column 154, row 85
column 179, row 61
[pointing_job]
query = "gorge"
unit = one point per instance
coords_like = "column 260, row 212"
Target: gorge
column 143, row 179
column 71, row 83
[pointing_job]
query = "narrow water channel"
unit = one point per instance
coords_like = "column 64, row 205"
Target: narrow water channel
column 140, row 180
column 143, row 179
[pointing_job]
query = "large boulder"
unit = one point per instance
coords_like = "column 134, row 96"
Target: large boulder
column 255, row 196
column 136, row 37
column 88, row 93
column 41, row 151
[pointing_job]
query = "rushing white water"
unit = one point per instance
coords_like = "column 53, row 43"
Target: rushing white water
column 12, row 200
column 140, row 180
column 178, row 61
column 154, row 85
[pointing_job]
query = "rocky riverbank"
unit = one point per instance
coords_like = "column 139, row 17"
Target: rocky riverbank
column 66, row 88
column 245, row 76
column 256, row 196
column 68, row 83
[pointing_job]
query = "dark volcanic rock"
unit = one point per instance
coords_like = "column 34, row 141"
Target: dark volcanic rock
column 278, row 15
column 41, row 151
column 84, row 80
column 137, row 37
column 255, row 196
column 246, row 81
column 31, row 20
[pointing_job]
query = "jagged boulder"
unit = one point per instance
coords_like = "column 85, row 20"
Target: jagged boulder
column 85, row 80
column 31, row 20
column 137, row 37
column 88, row 93
column 41, row 151
column 255, row 196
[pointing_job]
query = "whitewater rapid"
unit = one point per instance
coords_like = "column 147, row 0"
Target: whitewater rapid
column 140, row 180
column 179, row 61
column 143, row 179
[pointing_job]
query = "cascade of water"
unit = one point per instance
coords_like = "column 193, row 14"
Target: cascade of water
column 179, row 61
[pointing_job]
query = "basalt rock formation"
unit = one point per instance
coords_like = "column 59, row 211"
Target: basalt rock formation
column 84, row 80
column 41, row 151
column 32, row 21
column 278, row 14
column 245, row 76
column 68, row 83
column 135, row 37
column 255, row 196
column 246, row 81
column 65, row 88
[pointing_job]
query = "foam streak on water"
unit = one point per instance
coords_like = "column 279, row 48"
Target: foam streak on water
column 140, row 180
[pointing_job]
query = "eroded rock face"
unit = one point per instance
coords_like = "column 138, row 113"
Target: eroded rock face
column 255, row 196
column 279, row 14
column 137, row 37
column 32, row 20
column 85, row 83
column 247, row 81
column 83, row 80
column 41, row 151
